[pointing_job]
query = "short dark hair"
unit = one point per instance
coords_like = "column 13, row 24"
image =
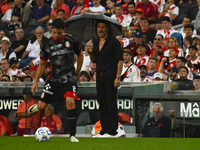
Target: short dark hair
column 29, row 77
column 6, row 60
column 131, row 3
column 145, row 18
column 60, row 10
column 189, row 26
column 184, row 68
column 190, row 39
column 183, row 59
column 187, row 17
column 161, row 36
column 153, row 58
column 58, row 23
column 5, row 75
column 19, row 28
column 20, row 78
column 165, row 19
column 27, row 91
column 117, row 5
column 16, row 13
column 196, row 77
column 110, row 31
column 10, row 1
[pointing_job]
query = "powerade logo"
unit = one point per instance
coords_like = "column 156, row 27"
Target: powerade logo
column 11, row 104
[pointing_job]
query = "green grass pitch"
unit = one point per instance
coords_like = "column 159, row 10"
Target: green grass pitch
column 63, row 143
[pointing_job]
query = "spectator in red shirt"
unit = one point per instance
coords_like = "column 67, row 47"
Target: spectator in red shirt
column 60, row 5
column 52, row 121
column 4, row 7
column 150, row 10
column 5, row 126
column 79, row 7
column 29, row 125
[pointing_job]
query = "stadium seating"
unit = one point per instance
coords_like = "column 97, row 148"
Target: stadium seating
column 32, row 26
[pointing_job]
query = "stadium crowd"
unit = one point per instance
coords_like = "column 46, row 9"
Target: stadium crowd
column 152, row 49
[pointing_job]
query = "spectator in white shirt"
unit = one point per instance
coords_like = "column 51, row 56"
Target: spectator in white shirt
column 7, row 15
column 97, row 8
column 33, row 48
column 49, row 33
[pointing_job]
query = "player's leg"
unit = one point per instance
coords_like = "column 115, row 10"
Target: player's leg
column 37, row 107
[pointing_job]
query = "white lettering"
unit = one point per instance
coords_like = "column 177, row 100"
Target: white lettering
column 120, row 104
column 186, row 111
column 11, row 104
column 7, row 104
column 195, row 111
column 84, row 104
column 92, row 104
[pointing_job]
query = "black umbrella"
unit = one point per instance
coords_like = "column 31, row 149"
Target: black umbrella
column 83, row 26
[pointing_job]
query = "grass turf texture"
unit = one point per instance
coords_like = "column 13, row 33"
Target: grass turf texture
column 60, row 143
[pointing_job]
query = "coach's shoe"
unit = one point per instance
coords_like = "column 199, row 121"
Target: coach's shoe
column 73, row 139
column 33, row 109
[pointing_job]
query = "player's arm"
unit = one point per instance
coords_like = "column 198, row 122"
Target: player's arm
column 39, row 73
column 19, row 116
column 4, row 133
column 79, row 64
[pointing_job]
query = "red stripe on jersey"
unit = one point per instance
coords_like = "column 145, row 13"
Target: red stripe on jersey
column 51, row 71
column 59, row 39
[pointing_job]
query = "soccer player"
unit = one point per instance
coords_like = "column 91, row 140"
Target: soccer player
column 60, row 49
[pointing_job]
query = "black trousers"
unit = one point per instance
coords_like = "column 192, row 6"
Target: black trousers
column 107, row 99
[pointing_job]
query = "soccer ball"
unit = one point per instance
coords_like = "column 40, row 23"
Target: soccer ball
column 43, row 134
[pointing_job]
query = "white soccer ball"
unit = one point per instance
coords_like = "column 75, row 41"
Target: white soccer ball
column 43, row 134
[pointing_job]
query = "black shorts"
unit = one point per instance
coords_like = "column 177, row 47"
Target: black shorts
column 53, row 91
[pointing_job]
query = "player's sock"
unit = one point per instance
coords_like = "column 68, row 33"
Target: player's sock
column 33, row 109
column 71, row 118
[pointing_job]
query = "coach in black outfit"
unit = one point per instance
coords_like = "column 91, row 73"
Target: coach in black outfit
column 108, row 56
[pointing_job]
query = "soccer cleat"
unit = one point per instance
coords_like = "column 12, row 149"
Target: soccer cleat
column 33, row 109
column 73, row 139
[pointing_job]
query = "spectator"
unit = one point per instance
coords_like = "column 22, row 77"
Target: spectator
column 124, row 41
column 173, row 74
column 15, row 23
column 186, row 20
column 28, row 79
column 189, row 30
column 24, row 10
column 60, row 5
column 172, row 86
column 139, row 38
column 170, row 10
column 196, row 83
column 152, row 63
column 7, row 15
column 159, row 125
column 52, row 121
column 94, row 77
column 84, row 76
column 143, row 74
column 150, row 10
column 196, row 40
column 14, row 64
column 33, row 48
column 157, row 43
column 5, row 66
column 130, row 17
column 4, row 7
column 148, row 32
column 97, row 8
column 60, row 13
column 97, row 128
column 5, row 78
column 194, row 58
column 79, row 7
column 20, row 44
column 91, row 69
column 158, row 77
column 49, row 33
column 187, row 42
column 1, row 73
column 166, row 30
column 142, row 58
column 2, row 34
column 159, row 3
column 130, row 72
column 110, row 7
column 169, row 62
column 28, row 123
column 33, row 70
column 41, row 11
column 5, row 51
column 125, row 7
column 5, row 126
column 120, row 17
column 172, row 42
column 18, row 79
column 183, row 82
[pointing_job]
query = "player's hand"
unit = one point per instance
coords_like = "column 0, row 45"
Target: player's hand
column 164, row 59
column 33, row 87
column 117, row 83
column 166, row 7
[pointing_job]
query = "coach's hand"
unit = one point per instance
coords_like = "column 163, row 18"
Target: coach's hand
column 34, row 86
column 117, row 83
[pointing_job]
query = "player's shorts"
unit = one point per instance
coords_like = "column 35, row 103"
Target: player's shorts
column 53, row 91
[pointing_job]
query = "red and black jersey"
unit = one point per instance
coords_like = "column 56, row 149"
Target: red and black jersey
column 61, row 55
